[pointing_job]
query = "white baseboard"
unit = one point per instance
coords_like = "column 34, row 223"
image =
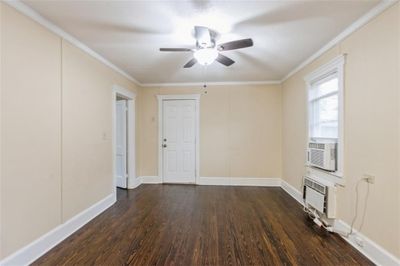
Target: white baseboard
column 240, row 181
column 40, row 246
column 31, row 252
column 370, row 249
column 292, row 191
column 150, row 179
column 223, row 181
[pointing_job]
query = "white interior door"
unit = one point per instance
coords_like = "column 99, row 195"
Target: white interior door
column 121, row 144
column 179, row 141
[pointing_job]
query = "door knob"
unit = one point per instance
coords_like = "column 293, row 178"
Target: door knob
column 164, row 145
column 165, row 139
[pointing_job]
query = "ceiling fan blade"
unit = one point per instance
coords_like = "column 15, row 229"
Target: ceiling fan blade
column 235, row 45
column 202, row 35
column 224, row 60
column 190, row 63
column 175, row 50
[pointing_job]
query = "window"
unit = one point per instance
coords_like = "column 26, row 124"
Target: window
column 325, row 107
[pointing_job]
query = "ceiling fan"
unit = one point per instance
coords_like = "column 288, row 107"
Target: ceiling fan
column 207, row 50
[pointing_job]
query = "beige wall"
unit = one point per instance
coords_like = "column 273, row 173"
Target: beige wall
column 62, row 97
column 31, row 93
column 55, row 114
column 87, row 129
column 372, row 133
column 240, row 130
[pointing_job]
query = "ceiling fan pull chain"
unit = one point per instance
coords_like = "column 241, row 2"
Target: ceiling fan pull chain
column 205, row 78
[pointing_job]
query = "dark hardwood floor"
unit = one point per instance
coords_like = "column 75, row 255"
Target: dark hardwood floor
column 203, row 225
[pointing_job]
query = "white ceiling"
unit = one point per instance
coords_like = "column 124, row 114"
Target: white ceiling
column 129, row 34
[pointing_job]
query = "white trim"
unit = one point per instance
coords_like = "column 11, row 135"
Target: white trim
column 292, row 191
column 378, row 9
column 160, row 157
column 240, row 181
column 325, row 176
column 160, row 99
column 178, row 97
column 40, row 246
column 37, row 248
column 370, row 249
column 132, row 180
column 124, row 92
column 336, row 65
column 31, row 13
column 212, row 83
column 223, row 181
column 150, row 180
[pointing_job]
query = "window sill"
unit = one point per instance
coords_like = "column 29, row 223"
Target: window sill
column 329, row 178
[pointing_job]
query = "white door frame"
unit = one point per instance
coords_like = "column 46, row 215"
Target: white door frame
column 161, row 98
column 131, row 136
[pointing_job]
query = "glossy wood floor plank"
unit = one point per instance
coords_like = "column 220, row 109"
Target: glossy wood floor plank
column 203, row 225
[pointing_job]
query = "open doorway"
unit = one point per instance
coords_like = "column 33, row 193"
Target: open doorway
column 124, row 138
column 121, row 141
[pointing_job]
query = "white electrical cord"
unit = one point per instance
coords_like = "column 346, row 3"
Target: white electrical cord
column 316, row 218
column 356, row 210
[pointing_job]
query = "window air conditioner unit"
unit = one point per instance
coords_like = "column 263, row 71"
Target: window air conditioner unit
column 322, row 155
column 320, row 197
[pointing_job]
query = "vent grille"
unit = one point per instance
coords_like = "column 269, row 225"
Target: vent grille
column 322, row 155
column 317, row 157
column 319, row 188
column 314, row 185
column 308, row 182
column 319, row 196
column 313, row 145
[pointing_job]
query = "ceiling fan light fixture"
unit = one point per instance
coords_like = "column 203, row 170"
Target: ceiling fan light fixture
column 207, row 50
column 206, row 56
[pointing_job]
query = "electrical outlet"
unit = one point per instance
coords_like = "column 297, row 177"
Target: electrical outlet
column 369, row 178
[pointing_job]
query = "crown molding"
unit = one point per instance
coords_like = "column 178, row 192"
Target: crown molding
column 29, row 12
column 214, row 83
column 26, row 10
column 375, row 11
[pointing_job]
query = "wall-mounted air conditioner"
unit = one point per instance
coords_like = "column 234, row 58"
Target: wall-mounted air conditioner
column 322, row 155
column 320, row 197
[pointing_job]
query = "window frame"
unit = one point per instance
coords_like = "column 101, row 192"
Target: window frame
column 333, row 67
